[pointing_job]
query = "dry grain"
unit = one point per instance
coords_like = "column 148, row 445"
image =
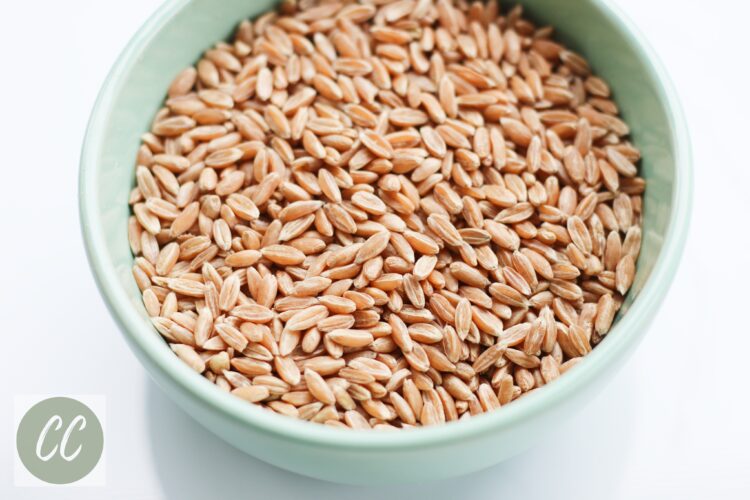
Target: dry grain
column 384, row 215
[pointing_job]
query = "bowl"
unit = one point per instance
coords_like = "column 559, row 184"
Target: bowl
column 173, row 38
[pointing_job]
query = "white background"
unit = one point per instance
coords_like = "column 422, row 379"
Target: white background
column 675, row 422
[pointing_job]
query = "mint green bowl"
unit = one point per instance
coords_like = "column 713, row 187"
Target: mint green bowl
column 173, row 38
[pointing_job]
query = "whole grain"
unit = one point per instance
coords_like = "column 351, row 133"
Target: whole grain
column 386, row 214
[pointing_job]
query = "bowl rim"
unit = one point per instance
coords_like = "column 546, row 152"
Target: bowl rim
column 141, row 337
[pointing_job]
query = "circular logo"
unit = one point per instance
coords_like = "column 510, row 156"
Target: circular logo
column 59, row 440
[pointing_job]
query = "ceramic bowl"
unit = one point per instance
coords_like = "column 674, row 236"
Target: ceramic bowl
column 173, row 38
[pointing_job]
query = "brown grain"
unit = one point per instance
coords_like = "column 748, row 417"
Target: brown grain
column 385, row 215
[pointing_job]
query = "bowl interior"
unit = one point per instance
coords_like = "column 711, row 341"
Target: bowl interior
column 177, row 35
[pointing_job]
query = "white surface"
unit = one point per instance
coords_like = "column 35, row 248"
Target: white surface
column 673, row 424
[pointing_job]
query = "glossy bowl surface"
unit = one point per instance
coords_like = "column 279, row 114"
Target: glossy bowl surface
column 173, row 38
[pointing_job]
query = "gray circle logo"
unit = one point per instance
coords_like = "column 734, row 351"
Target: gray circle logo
column 59, row 440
